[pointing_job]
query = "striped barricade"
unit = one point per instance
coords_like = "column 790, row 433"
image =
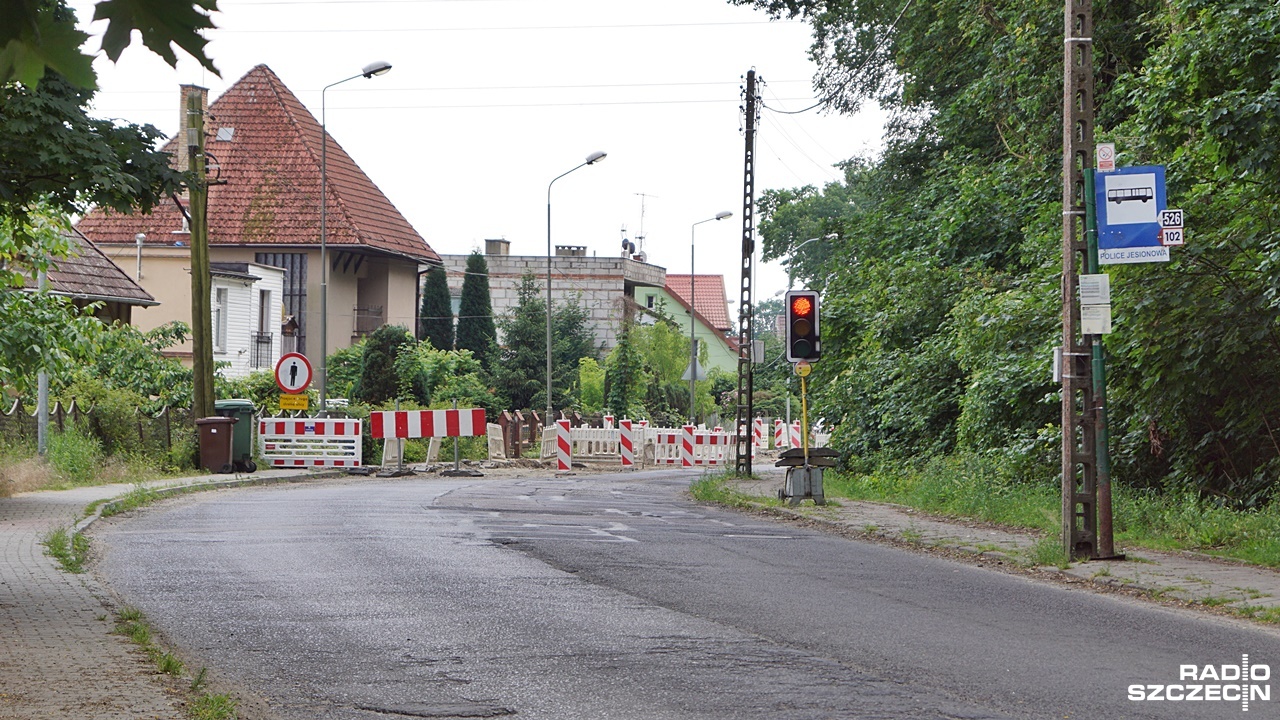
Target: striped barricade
column 758, row 438
column 310, row 442
column 626, row 444
column 564, row 446
column 468, row 422
column 780, row 434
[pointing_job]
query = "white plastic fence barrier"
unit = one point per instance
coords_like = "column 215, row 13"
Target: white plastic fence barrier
column 704, row 447
column 310, row 442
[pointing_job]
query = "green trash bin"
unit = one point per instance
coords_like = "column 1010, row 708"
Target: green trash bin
column 241, row 411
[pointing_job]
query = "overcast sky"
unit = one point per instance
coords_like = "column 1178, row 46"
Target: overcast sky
column 488, row 100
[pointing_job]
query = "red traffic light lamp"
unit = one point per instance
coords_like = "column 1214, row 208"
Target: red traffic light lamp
column 802, row 326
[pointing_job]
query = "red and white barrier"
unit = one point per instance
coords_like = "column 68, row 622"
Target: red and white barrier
column 427, row 423
column 689, row 447
column 779, row 434
column 686, row 446
column 758, row 439
column 795, row 435
column 626, row 444
column 608, row 422
column 564, row 446
column 310, row 442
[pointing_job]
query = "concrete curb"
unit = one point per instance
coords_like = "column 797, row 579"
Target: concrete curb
column 176, row 490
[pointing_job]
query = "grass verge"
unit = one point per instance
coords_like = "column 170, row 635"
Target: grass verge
column 715, row 488
column 204, row 705
column 973, row 487
column 70, row 550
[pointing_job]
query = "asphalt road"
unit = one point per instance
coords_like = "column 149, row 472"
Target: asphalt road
column 614, row 597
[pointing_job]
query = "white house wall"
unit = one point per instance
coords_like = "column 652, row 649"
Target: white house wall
column 243, row 311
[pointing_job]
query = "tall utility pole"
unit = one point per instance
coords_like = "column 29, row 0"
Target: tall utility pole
column 751, row 110
column 201, row 322
column 1079, row 429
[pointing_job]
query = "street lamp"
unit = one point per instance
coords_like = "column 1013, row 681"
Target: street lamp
column 592, row 159
column 378, row 67
column 796, row 249
column 693, row 343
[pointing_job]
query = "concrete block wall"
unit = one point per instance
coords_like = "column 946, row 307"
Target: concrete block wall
column 602, row 285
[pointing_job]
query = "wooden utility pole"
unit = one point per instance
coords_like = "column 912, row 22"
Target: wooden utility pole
column 1079, row 448
column 201, row 321
column 746, row 310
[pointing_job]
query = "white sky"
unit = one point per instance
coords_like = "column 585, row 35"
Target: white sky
column 488, row 100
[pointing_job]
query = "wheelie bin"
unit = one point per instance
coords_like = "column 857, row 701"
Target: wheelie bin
column 215, row 444
column 241, row 411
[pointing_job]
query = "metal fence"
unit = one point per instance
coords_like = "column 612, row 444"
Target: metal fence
column 153, row 433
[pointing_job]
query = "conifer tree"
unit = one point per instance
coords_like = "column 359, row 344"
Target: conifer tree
column 435, row 318
column 476, row 330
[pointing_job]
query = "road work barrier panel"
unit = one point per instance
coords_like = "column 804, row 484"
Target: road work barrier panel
column 469, row 422
column 690, row 447
column 310, row 442
column 626, row 444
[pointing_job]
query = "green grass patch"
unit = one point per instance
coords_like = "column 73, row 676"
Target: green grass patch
column 983, row 488
column 718, row 489
column 212, row 706
column 69, row 549
column 139, row 496
column 131, row 623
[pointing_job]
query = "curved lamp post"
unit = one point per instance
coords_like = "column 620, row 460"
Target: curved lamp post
column 693, row 324
column 592, row 159
column 379, row 67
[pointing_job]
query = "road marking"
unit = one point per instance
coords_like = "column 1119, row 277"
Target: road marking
column 764, row 537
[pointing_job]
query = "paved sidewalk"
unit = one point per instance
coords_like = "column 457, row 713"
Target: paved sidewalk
column 1186, row 579
column 58, row 657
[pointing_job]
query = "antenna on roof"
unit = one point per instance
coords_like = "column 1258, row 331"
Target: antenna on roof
column 641, row 236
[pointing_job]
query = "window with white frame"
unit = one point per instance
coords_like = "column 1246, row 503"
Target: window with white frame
column 220, row 319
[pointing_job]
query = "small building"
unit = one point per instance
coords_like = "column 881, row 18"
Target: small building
column 89, row 276
column 264, row 150
column 710, row 314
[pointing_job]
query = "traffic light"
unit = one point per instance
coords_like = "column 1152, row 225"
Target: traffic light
column 802, row 326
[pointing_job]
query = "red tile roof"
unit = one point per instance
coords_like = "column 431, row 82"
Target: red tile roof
column 87, row 274
column 271, row 165
column 709, row 297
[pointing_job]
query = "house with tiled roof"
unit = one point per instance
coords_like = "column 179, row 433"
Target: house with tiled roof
column 709, row 311
column 264, row 153
column 87, row 276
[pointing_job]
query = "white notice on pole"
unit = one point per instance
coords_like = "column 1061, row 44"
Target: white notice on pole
column 1095, row 289
column 1095, row 319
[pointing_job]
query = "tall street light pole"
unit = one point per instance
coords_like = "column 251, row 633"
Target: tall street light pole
column 592, row 159
column 379, row 67
column 693, row 323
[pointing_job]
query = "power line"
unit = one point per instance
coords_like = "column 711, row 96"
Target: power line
column 486, row 106
column 493, row 28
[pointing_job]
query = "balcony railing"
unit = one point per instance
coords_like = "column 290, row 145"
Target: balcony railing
column 367, row 319
column 260, row 345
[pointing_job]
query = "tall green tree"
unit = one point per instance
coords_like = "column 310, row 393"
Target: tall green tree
column 571, row 340
column 519, row 367
column 435, row 316
column 624, row 377
column 53, row 154
column 476, row 327
column 379, row 381
column 40, row 35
